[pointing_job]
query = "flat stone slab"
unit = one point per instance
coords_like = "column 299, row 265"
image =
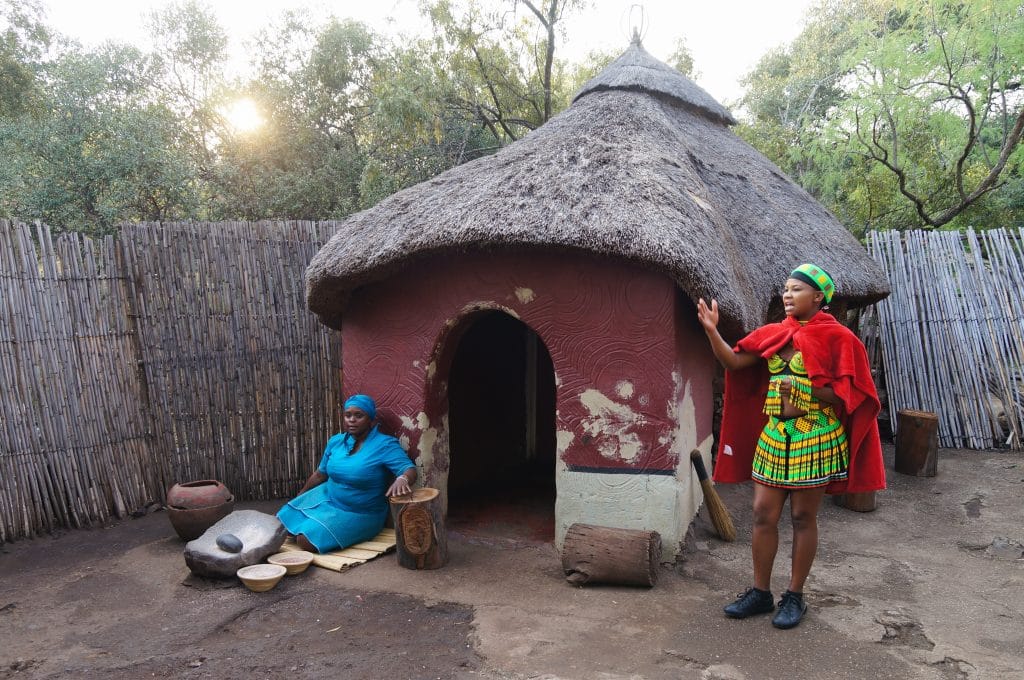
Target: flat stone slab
column 261, row 535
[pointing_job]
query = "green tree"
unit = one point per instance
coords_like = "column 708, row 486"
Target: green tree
column 24, row 40
column 500, row 60
column 189, row 52
column 898, row 113
column 101, row 152
column 681, row 60
column 314, row 86
column 793, row 89
column 934, row 100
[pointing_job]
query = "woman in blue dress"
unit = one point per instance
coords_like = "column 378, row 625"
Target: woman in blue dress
column 343, row 502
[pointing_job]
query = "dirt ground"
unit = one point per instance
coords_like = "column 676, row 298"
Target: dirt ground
column 930, row 586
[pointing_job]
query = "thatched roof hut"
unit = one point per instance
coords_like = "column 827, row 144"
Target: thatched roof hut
column 643, row 167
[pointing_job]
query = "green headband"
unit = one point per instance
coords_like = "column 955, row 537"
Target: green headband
column 817, row 277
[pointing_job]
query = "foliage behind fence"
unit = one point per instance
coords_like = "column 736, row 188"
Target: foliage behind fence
column 172, row 352
column 952, row 332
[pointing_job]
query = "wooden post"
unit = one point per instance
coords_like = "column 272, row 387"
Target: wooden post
column 858, row 502
column 421, row 541
column 917, row 443
column 594, row 554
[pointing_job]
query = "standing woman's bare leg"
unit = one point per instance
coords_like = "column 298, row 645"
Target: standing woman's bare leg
column 768, row 504
column 803, row 507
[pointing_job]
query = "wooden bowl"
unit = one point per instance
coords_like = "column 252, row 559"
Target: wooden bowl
column 295, row 561
column 261, row 577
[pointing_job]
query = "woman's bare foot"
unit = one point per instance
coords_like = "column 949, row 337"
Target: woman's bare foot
column 303, row 542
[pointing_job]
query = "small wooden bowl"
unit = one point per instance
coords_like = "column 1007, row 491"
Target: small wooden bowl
column 261, row 577
column 295, row 561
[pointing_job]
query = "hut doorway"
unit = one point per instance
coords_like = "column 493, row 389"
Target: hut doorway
column 501, row 424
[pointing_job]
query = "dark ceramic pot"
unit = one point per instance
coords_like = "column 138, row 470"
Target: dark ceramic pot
column 194, row 507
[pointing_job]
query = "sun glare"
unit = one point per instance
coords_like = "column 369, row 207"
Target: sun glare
column 243, row 115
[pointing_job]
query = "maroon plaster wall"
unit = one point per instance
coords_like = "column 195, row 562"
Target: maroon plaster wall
column 602, row 321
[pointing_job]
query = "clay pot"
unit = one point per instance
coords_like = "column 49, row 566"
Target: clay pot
column 194, row 507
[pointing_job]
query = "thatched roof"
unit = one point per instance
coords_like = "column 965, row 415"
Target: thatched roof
column 642, row 167
column 637, row 71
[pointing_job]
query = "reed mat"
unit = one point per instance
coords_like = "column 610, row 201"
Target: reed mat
column 345, row 559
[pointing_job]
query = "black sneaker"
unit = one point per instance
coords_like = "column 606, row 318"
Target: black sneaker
column 753, row 601
column 791, row 610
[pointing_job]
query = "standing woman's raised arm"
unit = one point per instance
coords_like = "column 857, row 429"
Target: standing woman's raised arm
column 707, row 315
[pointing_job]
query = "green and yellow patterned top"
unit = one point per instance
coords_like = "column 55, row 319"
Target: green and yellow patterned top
column 796, row 372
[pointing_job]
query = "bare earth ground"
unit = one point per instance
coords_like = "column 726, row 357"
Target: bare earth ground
column 916, row 589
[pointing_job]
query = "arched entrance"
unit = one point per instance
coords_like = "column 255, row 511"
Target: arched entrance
column 501, row 423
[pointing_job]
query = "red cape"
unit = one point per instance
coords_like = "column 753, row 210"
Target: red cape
column 834, row 358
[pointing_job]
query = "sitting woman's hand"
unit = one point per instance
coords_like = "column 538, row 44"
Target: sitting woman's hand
column 399, row 487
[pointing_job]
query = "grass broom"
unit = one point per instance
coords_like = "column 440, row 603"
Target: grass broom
column 719, row 513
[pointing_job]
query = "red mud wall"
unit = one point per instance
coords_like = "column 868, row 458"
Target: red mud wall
column 622, row 341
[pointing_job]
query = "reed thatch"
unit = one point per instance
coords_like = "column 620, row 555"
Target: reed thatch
column 642, row 167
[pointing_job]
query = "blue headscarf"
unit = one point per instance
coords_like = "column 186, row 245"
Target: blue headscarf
column 363, row 403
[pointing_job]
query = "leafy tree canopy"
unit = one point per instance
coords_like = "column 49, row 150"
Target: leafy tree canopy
column 899, row 113
column 895, row 113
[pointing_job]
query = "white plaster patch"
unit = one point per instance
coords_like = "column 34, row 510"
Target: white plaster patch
column 682, row 411
column 609, row 424
column 482, row 305
column 407, row 423
column 657, row 502
column 564, row 439
column 431, row 370
column 416, row 363
column 644, row 399
column 422, row 420
column 525, row 295
column 404, row 442
column 433, row 446
column 427, row 441
column 624, row 389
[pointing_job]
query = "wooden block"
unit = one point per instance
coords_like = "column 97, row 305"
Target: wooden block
column 917, row 443
column 595, row 554
column 858, row 502
column 422, row 542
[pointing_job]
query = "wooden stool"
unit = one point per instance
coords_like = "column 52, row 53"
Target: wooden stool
column 420, row 538
column 917, row 443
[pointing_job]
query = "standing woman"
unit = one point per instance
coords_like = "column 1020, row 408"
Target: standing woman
column 343, row 502
column 799, row 418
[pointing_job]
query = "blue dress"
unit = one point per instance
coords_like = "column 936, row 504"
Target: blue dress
column 350, row 506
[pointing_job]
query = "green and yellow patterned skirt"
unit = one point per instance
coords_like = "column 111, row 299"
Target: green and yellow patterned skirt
column 802, row 452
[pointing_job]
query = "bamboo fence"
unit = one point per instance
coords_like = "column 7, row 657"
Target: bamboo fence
column 168, row 353
column 952, row 332
column 185, row 351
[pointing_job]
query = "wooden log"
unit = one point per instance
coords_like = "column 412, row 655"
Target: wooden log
column 421, row 540
column 917, row 443
column 858, row 502
column 596, row 554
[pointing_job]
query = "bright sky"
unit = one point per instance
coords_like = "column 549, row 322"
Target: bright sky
column 726, row 37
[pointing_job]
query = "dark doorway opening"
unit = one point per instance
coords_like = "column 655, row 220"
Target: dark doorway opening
column 501, row 424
